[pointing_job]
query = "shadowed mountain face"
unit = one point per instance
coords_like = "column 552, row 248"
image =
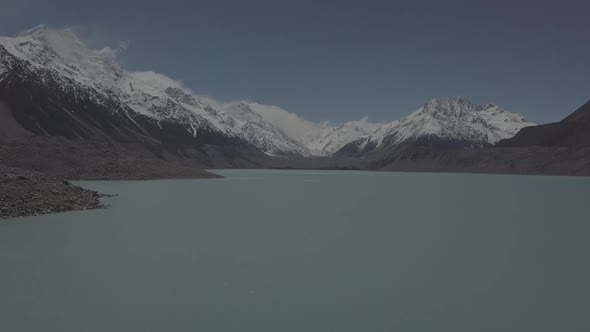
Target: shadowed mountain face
column 47, row 109
column 44, row 95
column 47, row 96
column 10, row 129
column 572, row 131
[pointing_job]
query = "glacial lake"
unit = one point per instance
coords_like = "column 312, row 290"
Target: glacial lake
column 307, row 251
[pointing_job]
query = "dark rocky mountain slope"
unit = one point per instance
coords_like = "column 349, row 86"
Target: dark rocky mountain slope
column 572, row 131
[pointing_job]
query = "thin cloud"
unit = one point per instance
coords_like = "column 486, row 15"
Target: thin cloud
column 292, row 124
column 156, row 83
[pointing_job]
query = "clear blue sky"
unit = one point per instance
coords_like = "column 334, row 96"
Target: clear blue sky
column 340, row 60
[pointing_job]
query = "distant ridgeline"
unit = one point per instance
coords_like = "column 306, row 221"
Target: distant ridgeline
column 52, row 85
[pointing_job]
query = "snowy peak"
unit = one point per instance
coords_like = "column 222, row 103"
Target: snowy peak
column 455, row 107
column 58, row 64
column 39, row 29
column 58, row 59
column 64, row 42
column 450, row 102
column 458, row 119
column 61, row 51
column 58, row 54
column 448, row 122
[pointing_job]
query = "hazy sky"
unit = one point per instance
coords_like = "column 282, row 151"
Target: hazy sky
column 340, row 60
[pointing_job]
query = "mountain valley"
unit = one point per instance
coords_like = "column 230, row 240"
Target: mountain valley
column 68, row 111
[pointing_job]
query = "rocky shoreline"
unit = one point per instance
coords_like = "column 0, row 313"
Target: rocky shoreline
column 33, row 172
column 28, row 193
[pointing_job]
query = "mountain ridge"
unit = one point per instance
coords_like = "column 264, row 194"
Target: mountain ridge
column 58, row 58
column 92, row 97
column 57, row 86
column 442, row 123
column 560, row 148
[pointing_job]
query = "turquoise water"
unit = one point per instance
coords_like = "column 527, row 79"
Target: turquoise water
column 307, row 251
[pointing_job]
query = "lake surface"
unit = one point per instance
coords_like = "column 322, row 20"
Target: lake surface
column 307, row 251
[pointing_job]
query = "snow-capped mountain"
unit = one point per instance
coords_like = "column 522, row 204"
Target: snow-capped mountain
column 55, row 85
column 80, row 92
column 262, row 134
column 449, row 122
column 61, row 87
column 331, row 139
column 320, row 138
